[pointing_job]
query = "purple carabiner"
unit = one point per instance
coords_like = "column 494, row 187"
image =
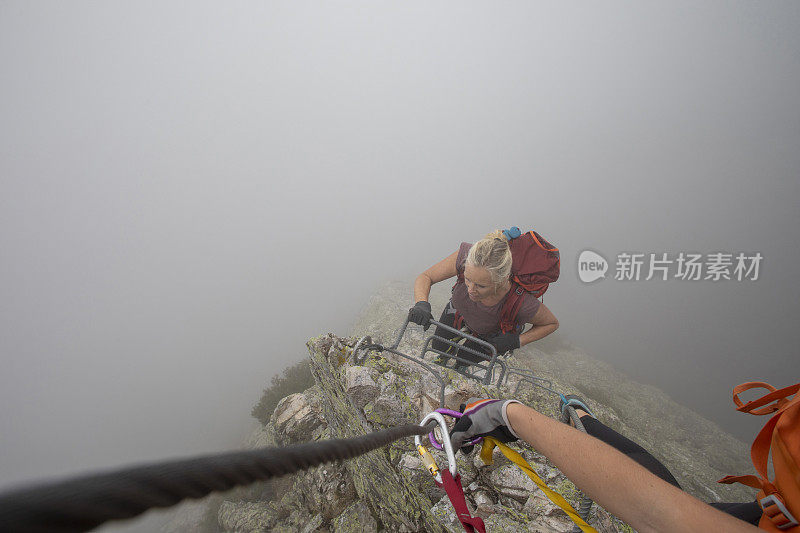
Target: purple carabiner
column 456, row 415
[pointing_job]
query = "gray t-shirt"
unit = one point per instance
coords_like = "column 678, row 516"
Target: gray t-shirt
column 485, row 319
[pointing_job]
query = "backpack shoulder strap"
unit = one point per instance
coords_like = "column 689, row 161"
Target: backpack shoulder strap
column 760, row 449
column 777, row 403
column 763, row 405
column 510, row 310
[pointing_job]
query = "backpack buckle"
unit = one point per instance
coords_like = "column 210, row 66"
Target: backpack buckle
column 777, row 512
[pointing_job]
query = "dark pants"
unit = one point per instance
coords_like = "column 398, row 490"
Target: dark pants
column 449, row 318
column 749, row 512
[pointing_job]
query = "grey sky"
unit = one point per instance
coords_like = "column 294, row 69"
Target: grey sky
column 189, row 192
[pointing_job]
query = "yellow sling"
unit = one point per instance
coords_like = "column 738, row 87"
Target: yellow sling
column 486, row 455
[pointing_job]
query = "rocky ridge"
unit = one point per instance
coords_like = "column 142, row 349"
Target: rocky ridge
column 390, row 490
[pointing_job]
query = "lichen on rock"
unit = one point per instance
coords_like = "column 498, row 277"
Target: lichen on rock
column 355, row 519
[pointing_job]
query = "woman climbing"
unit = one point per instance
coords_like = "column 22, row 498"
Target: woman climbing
column 483, row 301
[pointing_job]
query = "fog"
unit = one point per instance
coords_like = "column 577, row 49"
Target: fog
column 188, row 192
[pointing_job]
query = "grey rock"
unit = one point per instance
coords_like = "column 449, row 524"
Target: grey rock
column 396, row 501
column 355, row 519
column 510, row 481
column 327, row 490
column 411, row 466
column 247, row 516
column 503, row 521
column 548, row 527
column 313, row 525
column 554, row 524
column 466, row 469
column 461, row 391
column 483, row 501
column 295, row 419
column 297, row 520
column 425, row 403
column 361, row 384
column 540, row 505
column 446, row 515
column 387, row 411
column 509, row 503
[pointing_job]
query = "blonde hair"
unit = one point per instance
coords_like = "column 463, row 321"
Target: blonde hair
column 493, row 254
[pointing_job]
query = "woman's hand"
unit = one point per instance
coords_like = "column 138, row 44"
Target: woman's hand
column 421, row 314
column 505, row 342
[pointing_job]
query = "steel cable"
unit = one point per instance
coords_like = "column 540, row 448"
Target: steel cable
column 83, row 503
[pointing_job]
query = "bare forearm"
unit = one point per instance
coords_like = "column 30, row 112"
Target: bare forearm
column 615, row 481
column 536, row 333
column 422, row 288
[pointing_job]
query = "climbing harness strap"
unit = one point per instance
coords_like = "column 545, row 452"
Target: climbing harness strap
column 455, row 492
column 489, row 444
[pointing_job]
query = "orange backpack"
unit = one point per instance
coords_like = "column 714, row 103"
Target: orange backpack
column 780, row 498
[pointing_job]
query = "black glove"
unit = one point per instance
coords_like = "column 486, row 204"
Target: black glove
column 505, row 342
column 482, row 418
column 421, row 314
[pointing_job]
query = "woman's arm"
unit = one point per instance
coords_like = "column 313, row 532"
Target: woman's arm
column 615, row 481
column 446, row 268
column 544, row 323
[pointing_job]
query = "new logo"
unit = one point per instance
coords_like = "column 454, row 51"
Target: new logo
column 591, row 266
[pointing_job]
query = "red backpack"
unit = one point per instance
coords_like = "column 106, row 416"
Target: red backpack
column 779, row 498
column 535, row 265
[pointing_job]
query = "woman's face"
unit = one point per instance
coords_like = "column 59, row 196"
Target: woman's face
column 479, row 283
